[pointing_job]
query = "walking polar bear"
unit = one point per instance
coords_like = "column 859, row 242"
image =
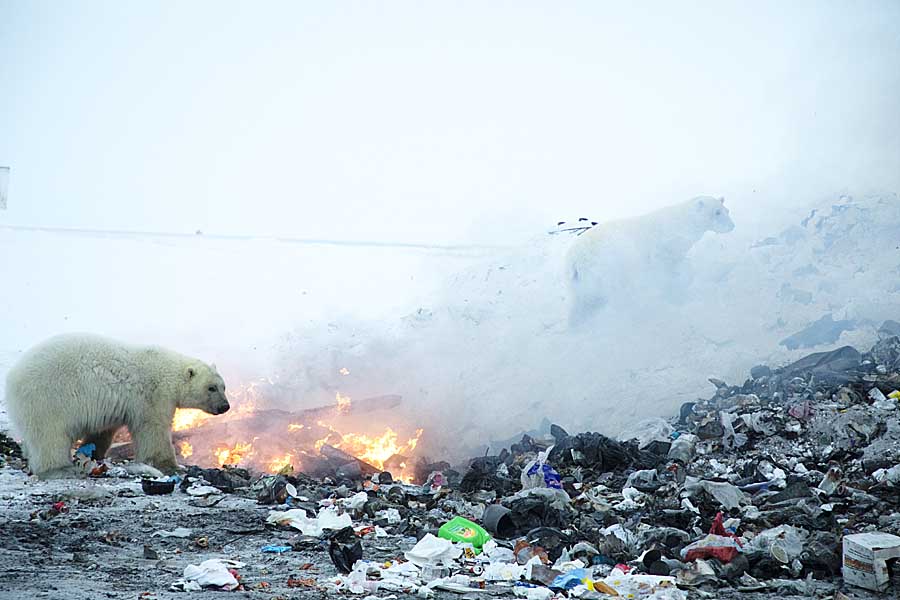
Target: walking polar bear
column 625, row 260
column 81, row 386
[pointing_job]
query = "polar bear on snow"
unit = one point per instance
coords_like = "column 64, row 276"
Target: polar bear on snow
column 627, row 259
column 81, row 386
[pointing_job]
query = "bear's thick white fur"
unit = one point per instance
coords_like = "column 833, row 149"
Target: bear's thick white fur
column 82, row 386
column 624, row 260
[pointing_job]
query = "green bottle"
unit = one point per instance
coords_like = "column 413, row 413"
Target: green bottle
column 463, row 530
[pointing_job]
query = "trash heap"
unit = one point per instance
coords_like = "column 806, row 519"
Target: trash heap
column 786, row 485
column 764, row 487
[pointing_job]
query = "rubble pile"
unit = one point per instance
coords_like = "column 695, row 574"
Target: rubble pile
column 785, row 485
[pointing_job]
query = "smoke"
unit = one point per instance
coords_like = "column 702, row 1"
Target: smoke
column 464, row 134
column 492, row 353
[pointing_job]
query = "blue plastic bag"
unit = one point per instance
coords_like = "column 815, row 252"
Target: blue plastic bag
column 551, row 476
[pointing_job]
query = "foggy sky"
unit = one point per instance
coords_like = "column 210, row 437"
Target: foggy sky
column 431, row 122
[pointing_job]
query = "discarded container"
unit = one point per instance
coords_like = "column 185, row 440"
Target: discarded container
column 156, row 487
column 459, row 529
column 497, row 520
column 865, row 559
column 783, row 543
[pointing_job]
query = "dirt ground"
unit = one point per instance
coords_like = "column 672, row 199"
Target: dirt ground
column 106, row 544
column 97, row 548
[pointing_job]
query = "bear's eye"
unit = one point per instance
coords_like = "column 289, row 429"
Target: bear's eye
column 212, row 388
column 718, row 212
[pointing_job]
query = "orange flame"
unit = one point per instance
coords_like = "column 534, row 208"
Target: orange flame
column 232, row 456
column 188, row 418
column 278, row 464
column 186, row 449
column 374, row 450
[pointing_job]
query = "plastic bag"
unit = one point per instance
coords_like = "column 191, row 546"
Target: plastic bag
column 727, row 495
column 431, row 550
column 296, row 518
column 642, row 478
column 213, row 573
column 345, row 550
column 731, row 439
column 538, row 474
column 720, row 547
column 784, row 543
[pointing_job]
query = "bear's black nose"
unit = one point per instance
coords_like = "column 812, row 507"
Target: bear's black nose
column 222, row 408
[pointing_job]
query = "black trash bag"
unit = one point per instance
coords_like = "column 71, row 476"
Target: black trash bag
column 835, row 367
column 596, row 451
column 550, row 539
column 482, row 475
column 822, row 553
column 530, row 512
column 345, row 549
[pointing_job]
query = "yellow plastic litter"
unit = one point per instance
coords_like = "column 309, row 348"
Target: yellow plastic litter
column 895, row 395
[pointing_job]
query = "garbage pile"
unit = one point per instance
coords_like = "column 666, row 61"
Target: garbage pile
column 787, row 484
column 768, row 487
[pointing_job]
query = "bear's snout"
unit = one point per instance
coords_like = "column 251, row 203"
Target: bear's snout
column 221, row 408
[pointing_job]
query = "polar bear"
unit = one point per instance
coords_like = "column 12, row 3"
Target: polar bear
column 627, row 259
column 82, row 386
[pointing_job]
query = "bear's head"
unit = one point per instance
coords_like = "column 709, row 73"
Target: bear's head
column 204, row 389
column 711, row 214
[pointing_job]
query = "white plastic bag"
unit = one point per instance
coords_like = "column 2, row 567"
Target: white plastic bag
column 431, row 550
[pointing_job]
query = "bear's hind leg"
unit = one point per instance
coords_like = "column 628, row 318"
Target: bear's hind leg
column 102, row 440
column 50, row 454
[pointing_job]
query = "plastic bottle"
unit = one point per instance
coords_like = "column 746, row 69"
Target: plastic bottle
column 459, row 529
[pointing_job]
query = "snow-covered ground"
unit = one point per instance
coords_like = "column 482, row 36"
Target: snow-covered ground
column 475, row 340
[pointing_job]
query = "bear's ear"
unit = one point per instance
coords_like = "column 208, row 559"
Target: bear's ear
column 700, row 204
column 722, row 200
column 191, row 373
column 213, row 366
